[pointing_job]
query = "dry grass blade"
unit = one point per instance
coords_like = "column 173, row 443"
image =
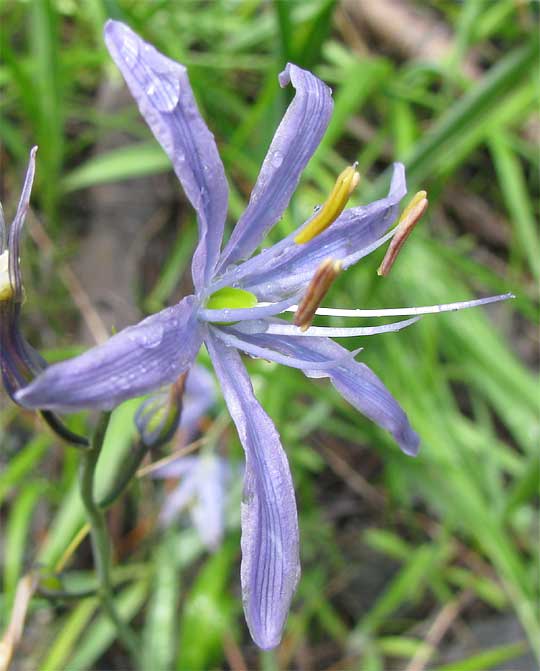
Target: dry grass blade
column 25, row 589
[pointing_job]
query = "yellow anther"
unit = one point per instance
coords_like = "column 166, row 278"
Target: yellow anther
column 421, row 195
column 6, row 290
column 333, row 206
column 322, row 280
column 410, row 216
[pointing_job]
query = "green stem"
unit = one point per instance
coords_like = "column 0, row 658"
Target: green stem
column 65, row 594
column 125, row 476
column 101, row 548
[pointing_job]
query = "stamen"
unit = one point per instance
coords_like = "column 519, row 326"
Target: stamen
column 322, row 280
column 408, row 220
column 402, row 312
column 333, row 206
column 6, row 289
column 331, row 332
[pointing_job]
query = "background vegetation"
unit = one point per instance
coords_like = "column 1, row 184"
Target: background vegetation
column 407, row 563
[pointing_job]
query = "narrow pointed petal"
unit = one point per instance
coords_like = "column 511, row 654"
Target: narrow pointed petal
column 270, row 563
column 137, row 360
column 178, row 499
column 175, row 469
column 199, row 396
column 297, row 137
column 357, row 383
column 17, row 226
column 163, row 93
column 233, row 338
column 208, row 513
column 286, row 267
column 19, row 362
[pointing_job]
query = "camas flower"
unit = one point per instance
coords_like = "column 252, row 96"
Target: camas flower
column 199, row 396
column 202, row 490
column 19, row 362
column 235, row 305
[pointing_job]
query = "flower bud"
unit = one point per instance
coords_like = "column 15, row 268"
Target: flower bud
column 158, row 417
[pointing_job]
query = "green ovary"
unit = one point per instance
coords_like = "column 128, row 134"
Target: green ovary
column 230, row 298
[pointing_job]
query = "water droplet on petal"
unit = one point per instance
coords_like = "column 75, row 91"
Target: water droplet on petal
column 149, row 337
column 129, row 47
column 163, row 90
column 276, row 159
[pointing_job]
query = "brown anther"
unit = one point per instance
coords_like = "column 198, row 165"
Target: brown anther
column 410, row 217
column 322, row 280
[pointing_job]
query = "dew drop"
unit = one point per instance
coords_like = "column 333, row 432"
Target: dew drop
column 148, row 338
column 163, row 89
column 129, row 48
column 276, row 159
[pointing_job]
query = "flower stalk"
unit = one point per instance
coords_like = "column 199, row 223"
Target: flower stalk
column 61, row 430
column 101, row 547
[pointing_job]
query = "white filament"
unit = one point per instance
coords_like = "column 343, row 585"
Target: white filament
column 403, row 312
column 331, row 332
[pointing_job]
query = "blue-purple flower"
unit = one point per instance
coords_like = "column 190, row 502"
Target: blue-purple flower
column 19, row 362
column 202, row 490
column 238, row 295
column 199, row 396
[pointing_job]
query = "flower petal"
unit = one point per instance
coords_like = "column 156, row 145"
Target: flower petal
column 199, row 397
column 208, row 512
column 17, row 226
column 233, row 338
column 19, row 362
column 357, row 383
column 296, row 138
column 178, row 499
column 175, row 469
column 286, row 267
column 162, row 90
column 270, row 563
column 137, row 360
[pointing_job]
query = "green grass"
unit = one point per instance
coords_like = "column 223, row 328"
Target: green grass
column 463, row 516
